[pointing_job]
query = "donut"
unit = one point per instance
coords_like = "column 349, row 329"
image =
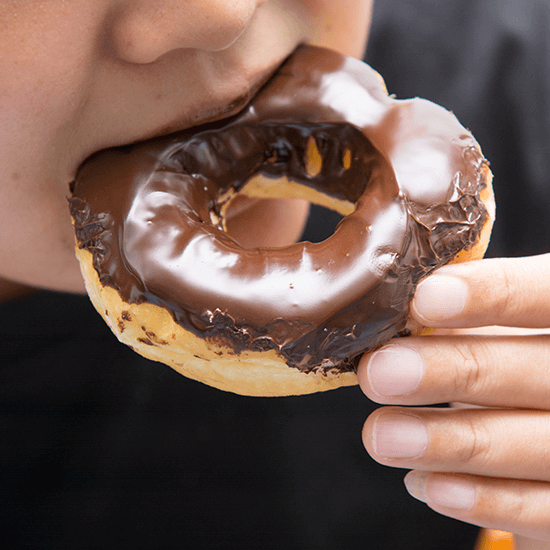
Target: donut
column 150, row 219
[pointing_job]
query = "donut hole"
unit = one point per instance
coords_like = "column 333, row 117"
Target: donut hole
column 255, row 222
column 277, row 212
column 321, row 224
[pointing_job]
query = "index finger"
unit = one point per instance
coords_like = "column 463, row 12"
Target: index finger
column 505, row 291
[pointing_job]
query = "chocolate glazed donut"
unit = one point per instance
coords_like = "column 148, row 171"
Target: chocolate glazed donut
column 411, row 182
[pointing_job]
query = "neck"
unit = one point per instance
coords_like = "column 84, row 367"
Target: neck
column 10, row 290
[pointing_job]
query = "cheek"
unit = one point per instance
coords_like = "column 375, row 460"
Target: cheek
column 341, row 26
column 45, row 64
column 45, row 69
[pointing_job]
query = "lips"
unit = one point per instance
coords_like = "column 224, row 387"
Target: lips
column 210, row 110
column 212, row 113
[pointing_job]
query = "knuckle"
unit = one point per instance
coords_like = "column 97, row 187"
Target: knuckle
column 476, row 444
column 516, row 509
column 506, row 295
column 502, row 501
column 469, row 379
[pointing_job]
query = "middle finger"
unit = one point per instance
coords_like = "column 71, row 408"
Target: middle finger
column 491, row 371
column 486, row 442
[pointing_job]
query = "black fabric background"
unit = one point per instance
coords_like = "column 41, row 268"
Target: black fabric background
column 103, row 449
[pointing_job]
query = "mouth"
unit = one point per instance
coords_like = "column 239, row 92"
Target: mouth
column 208, row 114
column 212, row 113
column 207, row 111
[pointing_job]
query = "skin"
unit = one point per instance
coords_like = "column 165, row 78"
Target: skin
column 488, row 458
column 77, row 76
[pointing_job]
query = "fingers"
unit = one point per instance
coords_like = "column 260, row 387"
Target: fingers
column 511, row 292
column 521, row 507
column 486, row 442
column 489, row 466
column 493, row 371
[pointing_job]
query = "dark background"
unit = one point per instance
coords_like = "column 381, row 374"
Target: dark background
column 100, row 448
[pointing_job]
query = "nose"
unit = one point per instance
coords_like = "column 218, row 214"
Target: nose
column 144, row 30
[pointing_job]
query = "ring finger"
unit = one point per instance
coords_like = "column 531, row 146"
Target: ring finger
column 486, row 442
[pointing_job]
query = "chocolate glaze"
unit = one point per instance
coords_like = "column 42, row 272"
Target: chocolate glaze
column 415, row 175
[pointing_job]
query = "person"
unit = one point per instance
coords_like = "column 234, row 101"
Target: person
column 104, row 449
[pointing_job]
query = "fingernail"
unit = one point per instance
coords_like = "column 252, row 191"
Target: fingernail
column 440, row 297
column 415, row 482
column 456, row 494
column 395, row 370
column 397, row 435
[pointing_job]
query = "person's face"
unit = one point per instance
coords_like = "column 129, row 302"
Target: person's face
column 77, row 76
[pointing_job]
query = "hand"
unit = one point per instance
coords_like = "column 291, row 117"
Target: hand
column 255, row 222
column 488, row 466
